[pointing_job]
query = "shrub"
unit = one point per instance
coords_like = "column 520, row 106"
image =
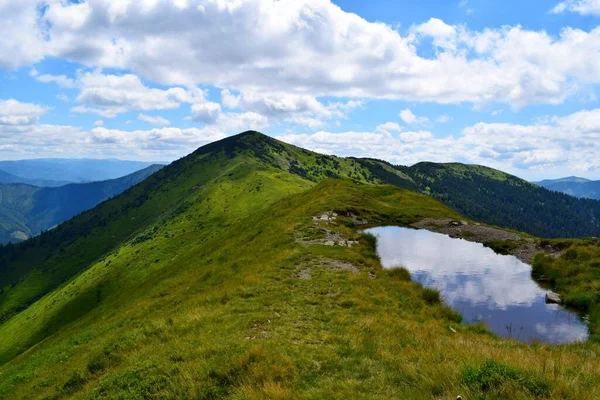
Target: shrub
column 431, row 296
column 399, row 273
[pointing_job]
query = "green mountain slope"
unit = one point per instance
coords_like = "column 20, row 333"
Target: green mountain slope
column 26, row 210
column 577, row 187
column 211, row 279
column 497, row 198
column 5, row 177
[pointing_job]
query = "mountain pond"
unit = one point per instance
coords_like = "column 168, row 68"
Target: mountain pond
column 483, row 286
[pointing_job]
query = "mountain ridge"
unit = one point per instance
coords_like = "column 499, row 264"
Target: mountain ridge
column 215, row 278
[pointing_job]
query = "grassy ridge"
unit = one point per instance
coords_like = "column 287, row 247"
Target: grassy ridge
column 229, row 315
column 222, row 287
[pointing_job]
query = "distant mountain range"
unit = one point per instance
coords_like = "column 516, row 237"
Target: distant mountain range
column 6, row 177
column 574, row 186
column 27, row 210
column 52, row 172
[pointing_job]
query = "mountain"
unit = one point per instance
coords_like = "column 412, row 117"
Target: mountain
column 70, row 170
column 497, row 198
column 27, row 210
column 570, row 179
column 215, row 278
column 5, row 177
column 573, row 186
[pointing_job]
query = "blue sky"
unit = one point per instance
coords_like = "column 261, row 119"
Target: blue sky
column 511, row 84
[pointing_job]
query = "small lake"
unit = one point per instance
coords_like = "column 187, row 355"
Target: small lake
column 483, row 286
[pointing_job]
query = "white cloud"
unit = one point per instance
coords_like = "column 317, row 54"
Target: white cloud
column 388, row 127
column 22, row 136
column 206, row 112
column 13, row 112
column 154, row 120
column 583, row 7
column 109, row 112
column 110, row 95
column 302, row 109
column 443, row 119
column 22, row 37
column 408, row 117
column 306, row 46
column 61, row 80
column 308, row 122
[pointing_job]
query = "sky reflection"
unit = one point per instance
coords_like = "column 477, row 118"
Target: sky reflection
column 484, row 286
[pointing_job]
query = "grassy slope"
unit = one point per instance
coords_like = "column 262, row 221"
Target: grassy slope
column 206, row 302
column 576, row 276
column 31, row 269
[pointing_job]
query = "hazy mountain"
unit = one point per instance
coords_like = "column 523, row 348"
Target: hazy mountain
column 5, row 177
column 573, row 186
column 71, row 170
column 27, row 210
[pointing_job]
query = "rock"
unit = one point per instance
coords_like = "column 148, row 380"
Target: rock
column 543, row 278
column 464, row 222
column 372, row 275
column 455, row 223
column 552, row 297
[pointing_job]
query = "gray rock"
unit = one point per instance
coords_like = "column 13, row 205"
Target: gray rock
column 552, row 297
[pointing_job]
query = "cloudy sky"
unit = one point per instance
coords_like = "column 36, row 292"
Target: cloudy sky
column 510, row 84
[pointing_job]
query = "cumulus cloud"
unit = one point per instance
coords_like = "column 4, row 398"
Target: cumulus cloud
column 302, row 109
column 13, row 112
column 307, row 46
column 206, row 112
column 388, row 127
column 109, row 95
column 22, row 135
column 583, row 7
column 22, row 35
column 408, row 117
column 154, row 120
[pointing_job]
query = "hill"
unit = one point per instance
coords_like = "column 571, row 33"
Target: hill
column 211, row 279
column 5, row 177
column 26, row 210
column 501, row 199
column 70, row 170
column 577, row 187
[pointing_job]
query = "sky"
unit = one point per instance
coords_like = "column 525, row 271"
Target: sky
column 511, row 85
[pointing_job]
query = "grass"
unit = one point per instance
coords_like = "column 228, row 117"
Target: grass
column 215, row 319
column 213, row 300
column 575, row 274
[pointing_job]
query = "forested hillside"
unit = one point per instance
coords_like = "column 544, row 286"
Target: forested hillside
column 501, row 199
column 27, row 210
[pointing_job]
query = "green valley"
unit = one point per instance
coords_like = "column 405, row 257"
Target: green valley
column 241, row 271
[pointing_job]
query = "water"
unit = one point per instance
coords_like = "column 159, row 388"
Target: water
column 482, row 285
